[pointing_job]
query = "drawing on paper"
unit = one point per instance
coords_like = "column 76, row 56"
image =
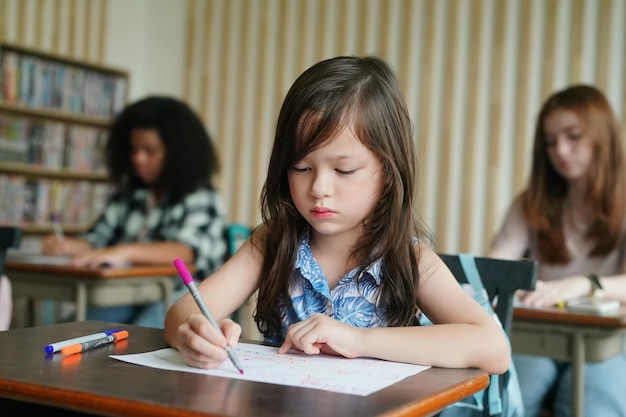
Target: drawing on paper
column 361, row 376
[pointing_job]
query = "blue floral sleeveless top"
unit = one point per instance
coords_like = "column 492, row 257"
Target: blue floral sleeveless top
column 348, row 302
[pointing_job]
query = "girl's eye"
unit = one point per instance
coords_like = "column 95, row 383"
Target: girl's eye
column 573, row 136
column 299, row 169
column 350, row 172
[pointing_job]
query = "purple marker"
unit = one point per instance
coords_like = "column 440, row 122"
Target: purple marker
column 191, row 286
column 56, row 224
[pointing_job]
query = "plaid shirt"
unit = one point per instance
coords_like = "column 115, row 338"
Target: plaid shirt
column 199, row 221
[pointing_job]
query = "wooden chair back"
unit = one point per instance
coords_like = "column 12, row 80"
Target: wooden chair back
column 10, row 237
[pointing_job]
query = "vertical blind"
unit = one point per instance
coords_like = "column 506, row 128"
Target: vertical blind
column 474, row 73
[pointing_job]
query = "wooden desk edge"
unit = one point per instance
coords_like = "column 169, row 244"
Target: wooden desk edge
column 560, row 315
column 442, row 399
column 84, row 402
column 133, row 271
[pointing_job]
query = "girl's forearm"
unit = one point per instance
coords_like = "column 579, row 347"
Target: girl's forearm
column 158, row 252
column 444, row 345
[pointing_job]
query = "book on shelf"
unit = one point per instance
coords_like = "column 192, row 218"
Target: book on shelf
column 52, row 144
column 84, row 149
column 54, row 117
column 40, row 82
column 13, row 142
column 31, row 202
column 8, row 61
column 12, row 201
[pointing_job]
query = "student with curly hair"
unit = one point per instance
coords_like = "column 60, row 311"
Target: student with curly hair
column 161, row 161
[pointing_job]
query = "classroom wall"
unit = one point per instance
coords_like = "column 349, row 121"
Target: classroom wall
column 474, row 72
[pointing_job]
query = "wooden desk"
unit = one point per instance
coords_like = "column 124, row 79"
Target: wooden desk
column 102, row 287
column 92, row 382
column 576, row 337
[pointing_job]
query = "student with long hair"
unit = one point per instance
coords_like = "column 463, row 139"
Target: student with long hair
column 340, row 263
column 571, row 218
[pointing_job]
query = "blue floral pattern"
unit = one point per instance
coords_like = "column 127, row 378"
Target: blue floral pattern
column 348, row 302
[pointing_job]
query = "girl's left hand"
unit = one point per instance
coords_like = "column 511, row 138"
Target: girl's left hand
column 112, row 256
column 322, row 334
column 549, row 293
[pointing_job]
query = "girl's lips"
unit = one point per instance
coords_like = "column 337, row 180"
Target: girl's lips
column 564, row 163
column 322, row 213
column 142, row 174
column 321, row 210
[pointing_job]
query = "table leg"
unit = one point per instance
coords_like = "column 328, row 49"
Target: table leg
column 166, row 287
column 578, row 374
column 81, row 301
column 32, row 316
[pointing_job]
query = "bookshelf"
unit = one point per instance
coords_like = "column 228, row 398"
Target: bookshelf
column 54, row 116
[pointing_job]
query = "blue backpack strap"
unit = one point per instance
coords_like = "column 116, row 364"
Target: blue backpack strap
column 473, row 277
column 480, row 295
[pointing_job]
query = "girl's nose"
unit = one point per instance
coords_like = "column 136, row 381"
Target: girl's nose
column 321, row 186
column 137, row 157
column 562, row 146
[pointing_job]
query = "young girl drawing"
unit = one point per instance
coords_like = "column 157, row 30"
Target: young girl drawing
column 337, row 260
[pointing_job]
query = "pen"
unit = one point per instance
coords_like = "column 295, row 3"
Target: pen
column 57, row 346
column 56, row 225
column 191, row 286
column 92, row 344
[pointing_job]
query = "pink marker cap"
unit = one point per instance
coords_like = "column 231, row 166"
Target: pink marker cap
column 182, row 271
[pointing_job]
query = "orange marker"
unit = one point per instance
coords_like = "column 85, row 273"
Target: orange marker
column 92, row 344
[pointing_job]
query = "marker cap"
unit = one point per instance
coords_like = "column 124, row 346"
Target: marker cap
column 182, row 271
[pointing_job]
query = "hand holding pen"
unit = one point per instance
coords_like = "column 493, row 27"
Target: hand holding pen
column 191, row 286
column 56, row 244
column 55, row 219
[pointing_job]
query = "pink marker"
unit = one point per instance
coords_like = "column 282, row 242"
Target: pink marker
column 191, row 286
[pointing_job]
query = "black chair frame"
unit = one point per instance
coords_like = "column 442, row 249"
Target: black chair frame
column 501, row 278
column 10, row 237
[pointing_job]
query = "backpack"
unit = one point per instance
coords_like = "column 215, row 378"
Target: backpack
column 503, row 396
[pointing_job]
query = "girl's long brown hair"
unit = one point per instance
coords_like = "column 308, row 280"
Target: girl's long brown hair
column 362, row 93
column 543, row 200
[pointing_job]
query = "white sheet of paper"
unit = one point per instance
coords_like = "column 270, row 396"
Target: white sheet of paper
column 359, row 376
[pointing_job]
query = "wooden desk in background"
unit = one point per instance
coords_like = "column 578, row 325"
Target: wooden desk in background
column 91, row 382
column 102, row 287
column 576, row 337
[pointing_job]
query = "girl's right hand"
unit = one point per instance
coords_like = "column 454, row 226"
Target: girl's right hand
column 52, row 245
column 202, row 345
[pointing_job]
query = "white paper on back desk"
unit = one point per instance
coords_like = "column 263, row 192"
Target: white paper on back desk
column 360, row 376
